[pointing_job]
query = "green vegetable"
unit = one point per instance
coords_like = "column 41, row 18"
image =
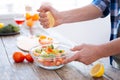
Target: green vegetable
column 38, row 35
column 60, row 51
column 51, row 46
column 38, row 51
column 9, row 29
column 48, row 56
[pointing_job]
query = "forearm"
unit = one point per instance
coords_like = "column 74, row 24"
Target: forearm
column 110, row 48
column 81, row 14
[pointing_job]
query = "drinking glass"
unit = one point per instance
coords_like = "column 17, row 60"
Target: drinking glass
column 19, row 19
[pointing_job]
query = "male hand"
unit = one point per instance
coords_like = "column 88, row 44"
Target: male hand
column 43, row 16
column 85, row 53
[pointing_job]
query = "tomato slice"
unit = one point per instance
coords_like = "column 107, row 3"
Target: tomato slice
column 58, row 62
column 46, row 63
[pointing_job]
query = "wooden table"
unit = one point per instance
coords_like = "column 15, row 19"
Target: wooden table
column 28, row 71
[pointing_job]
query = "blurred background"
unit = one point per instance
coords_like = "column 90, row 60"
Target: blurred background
column 18, row 6
column 94, row 32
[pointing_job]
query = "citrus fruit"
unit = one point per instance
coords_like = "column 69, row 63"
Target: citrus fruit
column 42, row 37
column 28, row 16
column 28, row 57
column 1, row 25
column 51, row 19
column 18, row 57
column 30, row 23
column 35, row 17
column 97, row 70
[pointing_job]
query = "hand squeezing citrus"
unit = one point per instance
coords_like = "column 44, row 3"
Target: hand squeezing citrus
column 97, row 70
column 51, row 19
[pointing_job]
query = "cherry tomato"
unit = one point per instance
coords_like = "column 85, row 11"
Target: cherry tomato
column 18, row 57
column 29, row 58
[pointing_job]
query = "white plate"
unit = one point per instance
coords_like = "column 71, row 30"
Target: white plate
column 26, row 43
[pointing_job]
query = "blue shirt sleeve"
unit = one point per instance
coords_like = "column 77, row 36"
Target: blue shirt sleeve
column 103, row 5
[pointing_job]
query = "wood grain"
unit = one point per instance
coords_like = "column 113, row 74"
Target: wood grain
column 3, row 56
column 22, row 71
column 70, row 73
column 46, row 74
column 9, row 70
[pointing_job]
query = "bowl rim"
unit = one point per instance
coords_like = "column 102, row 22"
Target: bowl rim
column 64, row 46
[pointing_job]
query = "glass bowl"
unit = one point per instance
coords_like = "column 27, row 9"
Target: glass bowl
column 50, row 56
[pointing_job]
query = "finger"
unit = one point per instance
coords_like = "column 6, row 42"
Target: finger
column 41, row 23
column 43, row 19
column 73, row 58
column 45, row 25
column 40, row 10
column 77, row 47
column 44, row 22
column 84, row 61
column 44, row 7
column 42, row 15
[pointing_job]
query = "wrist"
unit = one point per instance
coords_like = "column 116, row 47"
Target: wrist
column 103, row 51
column 98, row 51
column 60, row 19
column 65, row 17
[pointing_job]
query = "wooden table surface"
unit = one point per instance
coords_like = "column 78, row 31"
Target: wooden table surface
column 29, row 71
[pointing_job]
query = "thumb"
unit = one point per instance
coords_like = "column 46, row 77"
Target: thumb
column 73, row 58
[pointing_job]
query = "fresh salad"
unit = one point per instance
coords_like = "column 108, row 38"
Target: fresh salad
column 49, row 55
column 43, row 39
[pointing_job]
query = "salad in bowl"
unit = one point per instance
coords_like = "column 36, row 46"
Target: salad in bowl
column 50, row 56
column 43, row 39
